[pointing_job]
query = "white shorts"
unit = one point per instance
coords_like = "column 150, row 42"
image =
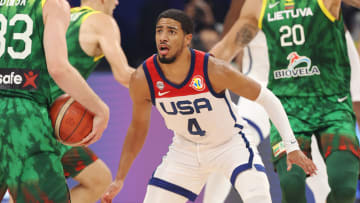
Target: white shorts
column 257, row 119
column 187, row 165
column 355, row 67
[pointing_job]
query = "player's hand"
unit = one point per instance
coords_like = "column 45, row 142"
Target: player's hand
column 298, row 157
column 112, row 191
column 100, row 123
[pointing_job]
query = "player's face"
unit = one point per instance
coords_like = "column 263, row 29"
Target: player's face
column 170, row 40
column 110, row 5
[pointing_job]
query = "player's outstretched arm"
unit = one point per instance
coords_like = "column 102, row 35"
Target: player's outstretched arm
column 334, row 6
column 56, row 16
column 108, row 36
column 136, row 134
column 222, row 76
column 354, row 3
column 232, row 15
column 241, row 33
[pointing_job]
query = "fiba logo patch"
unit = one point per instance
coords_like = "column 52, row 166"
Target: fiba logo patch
column 197, row 83
column 160, row 85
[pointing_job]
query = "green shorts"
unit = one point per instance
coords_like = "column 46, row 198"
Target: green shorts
column 331, row 119
column 30, row 164
column 75, row 159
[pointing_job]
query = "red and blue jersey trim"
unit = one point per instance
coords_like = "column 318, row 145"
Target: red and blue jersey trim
column 196, row 81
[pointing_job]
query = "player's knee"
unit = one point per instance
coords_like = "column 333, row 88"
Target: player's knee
column 344, row 194
column 342, row 174
column 97, row 177
column 256, row 189
column 292, row 185
column 103, row 178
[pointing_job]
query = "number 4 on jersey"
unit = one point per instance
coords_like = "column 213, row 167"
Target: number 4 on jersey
column 194, row 127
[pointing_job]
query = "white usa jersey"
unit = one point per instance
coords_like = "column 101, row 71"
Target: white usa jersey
column 193, row 109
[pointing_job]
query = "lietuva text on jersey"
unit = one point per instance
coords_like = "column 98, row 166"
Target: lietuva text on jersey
column 287, row 14
column 193, row 109
column 12, row 2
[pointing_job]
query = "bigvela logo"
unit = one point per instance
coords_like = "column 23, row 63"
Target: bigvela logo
column 299, row 66
column 15, row 78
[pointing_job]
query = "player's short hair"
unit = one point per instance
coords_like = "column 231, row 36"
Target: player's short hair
column 186, row 23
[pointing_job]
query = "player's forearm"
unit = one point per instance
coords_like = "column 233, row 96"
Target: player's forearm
column 277, row 115
column 354, row 3
column 237, row 38
column 123, row 76
column 71, row 82
column 232, row 15
column 132, row 146
column 118, row 62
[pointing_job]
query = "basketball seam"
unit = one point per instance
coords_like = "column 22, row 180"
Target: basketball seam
column 76, row 126
column 60, row 117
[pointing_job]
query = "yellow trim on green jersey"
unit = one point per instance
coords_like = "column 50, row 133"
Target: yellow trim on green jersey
column 96, row 58
column 43, row 3
column 262, row 13
column 77, row 9
column 326, row 11
column 88, row 14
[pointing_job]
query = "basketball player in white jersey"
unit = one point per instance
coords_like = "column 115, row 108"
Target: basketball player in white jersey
column 190, row 90
column 255, row 64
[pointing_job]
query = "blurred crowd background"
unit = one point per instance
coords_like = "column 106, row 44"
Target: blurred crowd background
column 136, row 19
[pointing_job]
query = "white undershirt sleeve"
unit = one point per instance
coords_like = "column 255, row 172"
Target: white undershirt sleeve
column 277, row 115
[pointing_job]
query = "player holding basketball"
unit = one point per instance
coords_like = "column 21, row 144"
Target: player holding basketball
column 189, row 88
column 33, row 48
column 92, row 33
column 310, row 73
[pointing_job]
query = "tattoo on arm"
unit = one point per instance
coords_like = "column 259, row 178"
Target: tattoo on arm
column 246, row 33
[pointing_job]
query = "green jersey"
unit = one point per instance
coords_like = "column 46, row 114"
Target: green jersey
column 23, row 71
column 307, row 48
column 84, row 63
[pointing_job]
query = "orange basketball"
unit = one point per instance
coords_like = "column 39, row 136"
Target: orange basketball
column 70, row 120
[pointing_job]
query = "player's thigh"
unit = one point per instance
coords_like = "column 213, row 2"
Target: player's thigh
column 95, row 174
column 31, row 152
column 242, row 165
column 238, row 156
column 77, row 159
column 41, row 180
column 217, row 188
column 180, row 173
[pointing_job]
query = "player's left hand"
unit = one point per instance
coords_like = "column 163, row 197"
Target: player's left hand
column 112, row 191
column 299, row 158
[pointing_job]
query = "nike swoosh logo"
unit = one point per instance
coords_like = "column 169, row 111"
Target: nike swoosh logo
column 293, row 142
column 274, row 4
column 342, row 99
column 162, row 93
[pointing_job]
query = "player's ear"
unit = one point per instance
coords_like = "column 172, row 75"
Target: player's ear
column 188, row 38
